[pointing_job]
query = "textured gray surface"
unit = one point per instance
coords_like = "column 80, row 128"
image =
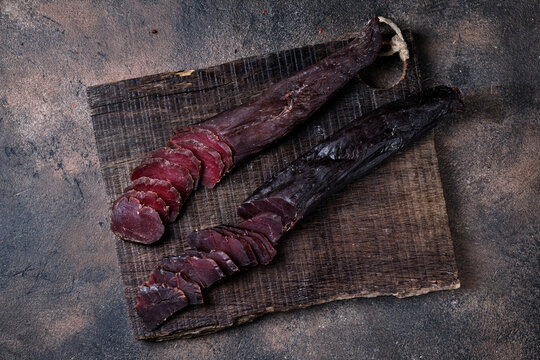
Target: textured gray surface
column 62, row 296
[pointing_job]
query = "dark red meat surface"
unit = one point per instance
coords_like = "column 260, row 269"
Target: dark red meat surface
column 191, row 289
column 268, row 224
column 238, row 249
column 163, row 189
column 202, row 270
column 256, row 242
column 151, row 199
column 182, row 157
column 209, row 139
column 223, row 260
column 158, row 168
column 156, row 302
column 134, row 222
column 212, row 164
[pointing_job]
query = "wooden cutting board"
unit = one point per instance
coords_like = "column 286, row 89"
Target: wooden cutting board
column 384, row 235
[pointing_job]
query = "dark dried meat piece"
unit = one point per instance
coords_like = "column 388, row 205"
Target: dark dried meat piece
column 164, row 189
column 285, row 210
column 157, row 302
column 212, row 164
column 253, row 126
column 151, row 199
column 268, row 224
column 158, row 168
column 134, row 222
column 182, row 157
column 257, row 245
column 209, row 139
column 351, row 152
column 260, row 236
column 223, row 260
column 191, row 289
column 204, row 271
column 237, row 249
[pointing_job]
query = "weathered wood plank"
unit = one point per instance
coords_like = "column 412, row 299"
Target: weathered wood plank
column 384, row 235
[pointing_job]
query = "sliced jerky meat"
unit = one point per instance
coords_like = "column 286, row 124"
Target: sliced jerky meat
column 222, row 259
column 163, row 189
column 268, row 224
column 158, row 168
column 213, row 167
column 237, row 249
column 278, row 206
column 134, row 222
column 212, row 164
column 204, row 271
column 209, row 139
column 182, row 157
column 178, row 280
column 156, row 302
column 150, row 198
column 255, row 234
column 263, row 257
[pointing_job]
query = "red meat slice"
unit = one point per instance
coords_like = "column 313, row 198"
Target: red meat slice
column 237, row 249
column 285, row 210
column 163, row 169
column 163, row 189
column 201, row 270
column 268, row 224
column 134, row 222
column 191, row 289
column 223, row 260
column 212, row 164
column 208, row 138
column 255, row 234
column 256, row 245
column 157, row 302
column 150, row 198
column 182, row 157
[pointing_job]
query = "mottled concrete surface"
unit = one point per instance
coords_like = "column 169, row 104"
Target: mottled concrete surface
column 62, row 296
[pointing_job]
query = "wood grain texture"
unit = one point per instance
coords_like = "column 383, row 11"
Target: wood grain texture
column 387, row 234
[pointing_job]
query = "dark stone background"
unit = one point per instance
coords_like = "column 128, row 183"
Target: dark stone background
column 62, row 296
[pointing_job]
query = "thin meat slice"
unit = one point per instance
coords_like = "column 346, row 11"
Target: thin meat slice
column 263, row 257
column 182, row 157
column 212, row 164
column 285, row 210
column 157, row 302
column 209, row 139
column 268, row 224
column 223, row 260
column 191, row 289
column 204, row 271
column 163, row 189
column 158, row 168
column 150, row 198
column 132, row 221
column 237, row 249
column 255, row 234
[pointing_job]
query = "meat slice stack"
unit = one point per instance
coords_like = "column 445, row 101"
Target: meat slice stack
column 205, row 152
column 177, row 281
column 164, row 180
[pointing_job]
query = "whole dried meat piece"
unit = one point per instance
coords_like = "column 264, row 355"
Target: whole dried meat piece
column 350, row 153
